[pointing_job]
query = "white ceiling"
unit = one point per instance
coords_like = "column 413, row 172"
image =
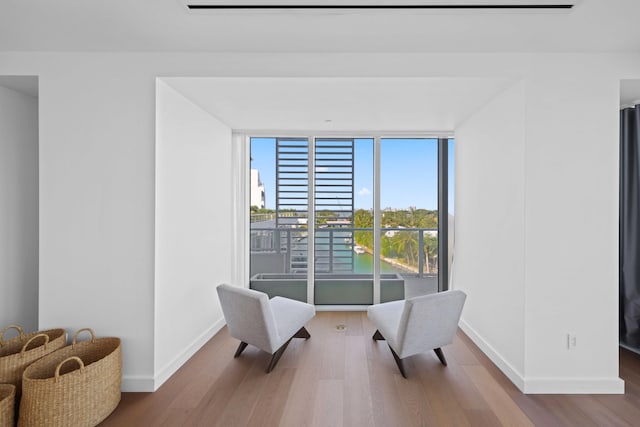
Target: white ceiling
column 362, row 104
column 24, row 84
column 167, row 25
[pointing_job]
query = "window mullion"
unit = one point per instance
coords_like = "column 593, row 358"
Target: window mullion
column 311, row 221
column 376, row 220
column 443, row 214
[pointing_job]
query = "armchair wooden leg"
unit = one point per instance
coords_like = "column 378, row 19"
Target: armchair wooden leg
column 398, row 362
column 440, row 355
column 276, row 356
column 377, row 336
column 302, row 333
column 240, row 349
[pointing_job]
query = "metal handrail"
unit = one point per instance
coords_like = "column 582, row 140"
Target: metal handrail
column 290, row 239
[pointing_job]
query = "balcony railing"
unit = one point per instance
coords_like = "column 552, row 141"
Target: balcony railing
column 334, row 249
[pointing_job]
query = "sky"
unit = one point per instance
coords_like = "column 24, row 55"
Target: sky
column 408, row 172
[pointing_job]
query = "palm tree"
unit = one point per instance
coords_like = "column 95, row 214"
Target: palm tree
column 430, row 249
column 363, row 219
column 406, row 242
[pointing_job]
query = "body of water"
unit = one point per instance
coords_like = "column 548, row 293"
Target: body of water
column 363, row 263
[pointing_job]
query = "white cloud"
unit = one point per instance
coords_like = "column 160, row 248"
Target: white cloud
column 364, row 192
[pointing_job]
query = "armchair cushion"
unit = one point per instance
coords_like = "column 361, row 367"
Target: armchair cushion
column 428, row 322
column 386, row 317
column 290, row 315
column 249, row 317
column 267, row 324
column 418, row 324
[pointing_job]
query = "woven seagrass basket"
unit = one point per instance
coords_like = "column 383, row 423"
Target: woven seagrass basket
column 19, row 352
column 7, row 402
column 78, row 385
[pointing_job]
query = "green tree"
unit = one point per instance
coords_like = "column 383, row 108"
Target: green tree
column 386, row 247
column 363, row 219
column 322, row 216
column 430, row 247
column 406, row 244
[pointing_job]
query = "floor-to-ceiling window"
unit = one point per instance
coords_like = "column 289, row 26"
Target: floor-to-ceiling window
column 343, row 183
column 279, row 215
column 409, row 211
column 368, row 204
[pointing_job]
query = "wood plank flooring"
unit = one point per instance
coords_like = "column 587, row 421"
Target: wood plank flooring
column 344, row 378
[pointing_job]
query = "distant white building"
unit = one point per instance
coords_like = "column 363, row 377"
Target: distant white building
column 257, row 189
column 391, row 233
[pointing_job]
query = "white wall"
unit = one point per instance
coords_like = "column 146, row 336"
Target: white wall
column 97, row 187
column 18, row 209
column 571, row 243
column 97, row 121
column 193, row 233
column 538, row 167
column 489, row 223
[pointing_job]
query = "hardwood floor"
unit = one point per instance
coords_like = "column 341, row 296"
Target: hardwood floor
column 344, row 378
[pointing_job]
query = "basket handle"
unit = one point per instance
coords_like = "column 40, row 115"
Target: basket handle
column 16, row 327
column 24, row 347
column 69, row 359
column 75, row 336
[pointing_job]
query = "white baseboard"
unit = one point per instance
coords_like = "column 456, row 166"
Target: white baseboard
column 574, row 386
column 341, row 307
column 170, row 368
column 544, row 385
column 514, row 376
column 139, row 383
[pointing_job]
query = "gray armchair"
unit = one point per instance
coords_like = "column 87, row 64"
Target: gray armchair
column 267, row 324
column 418, row 324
